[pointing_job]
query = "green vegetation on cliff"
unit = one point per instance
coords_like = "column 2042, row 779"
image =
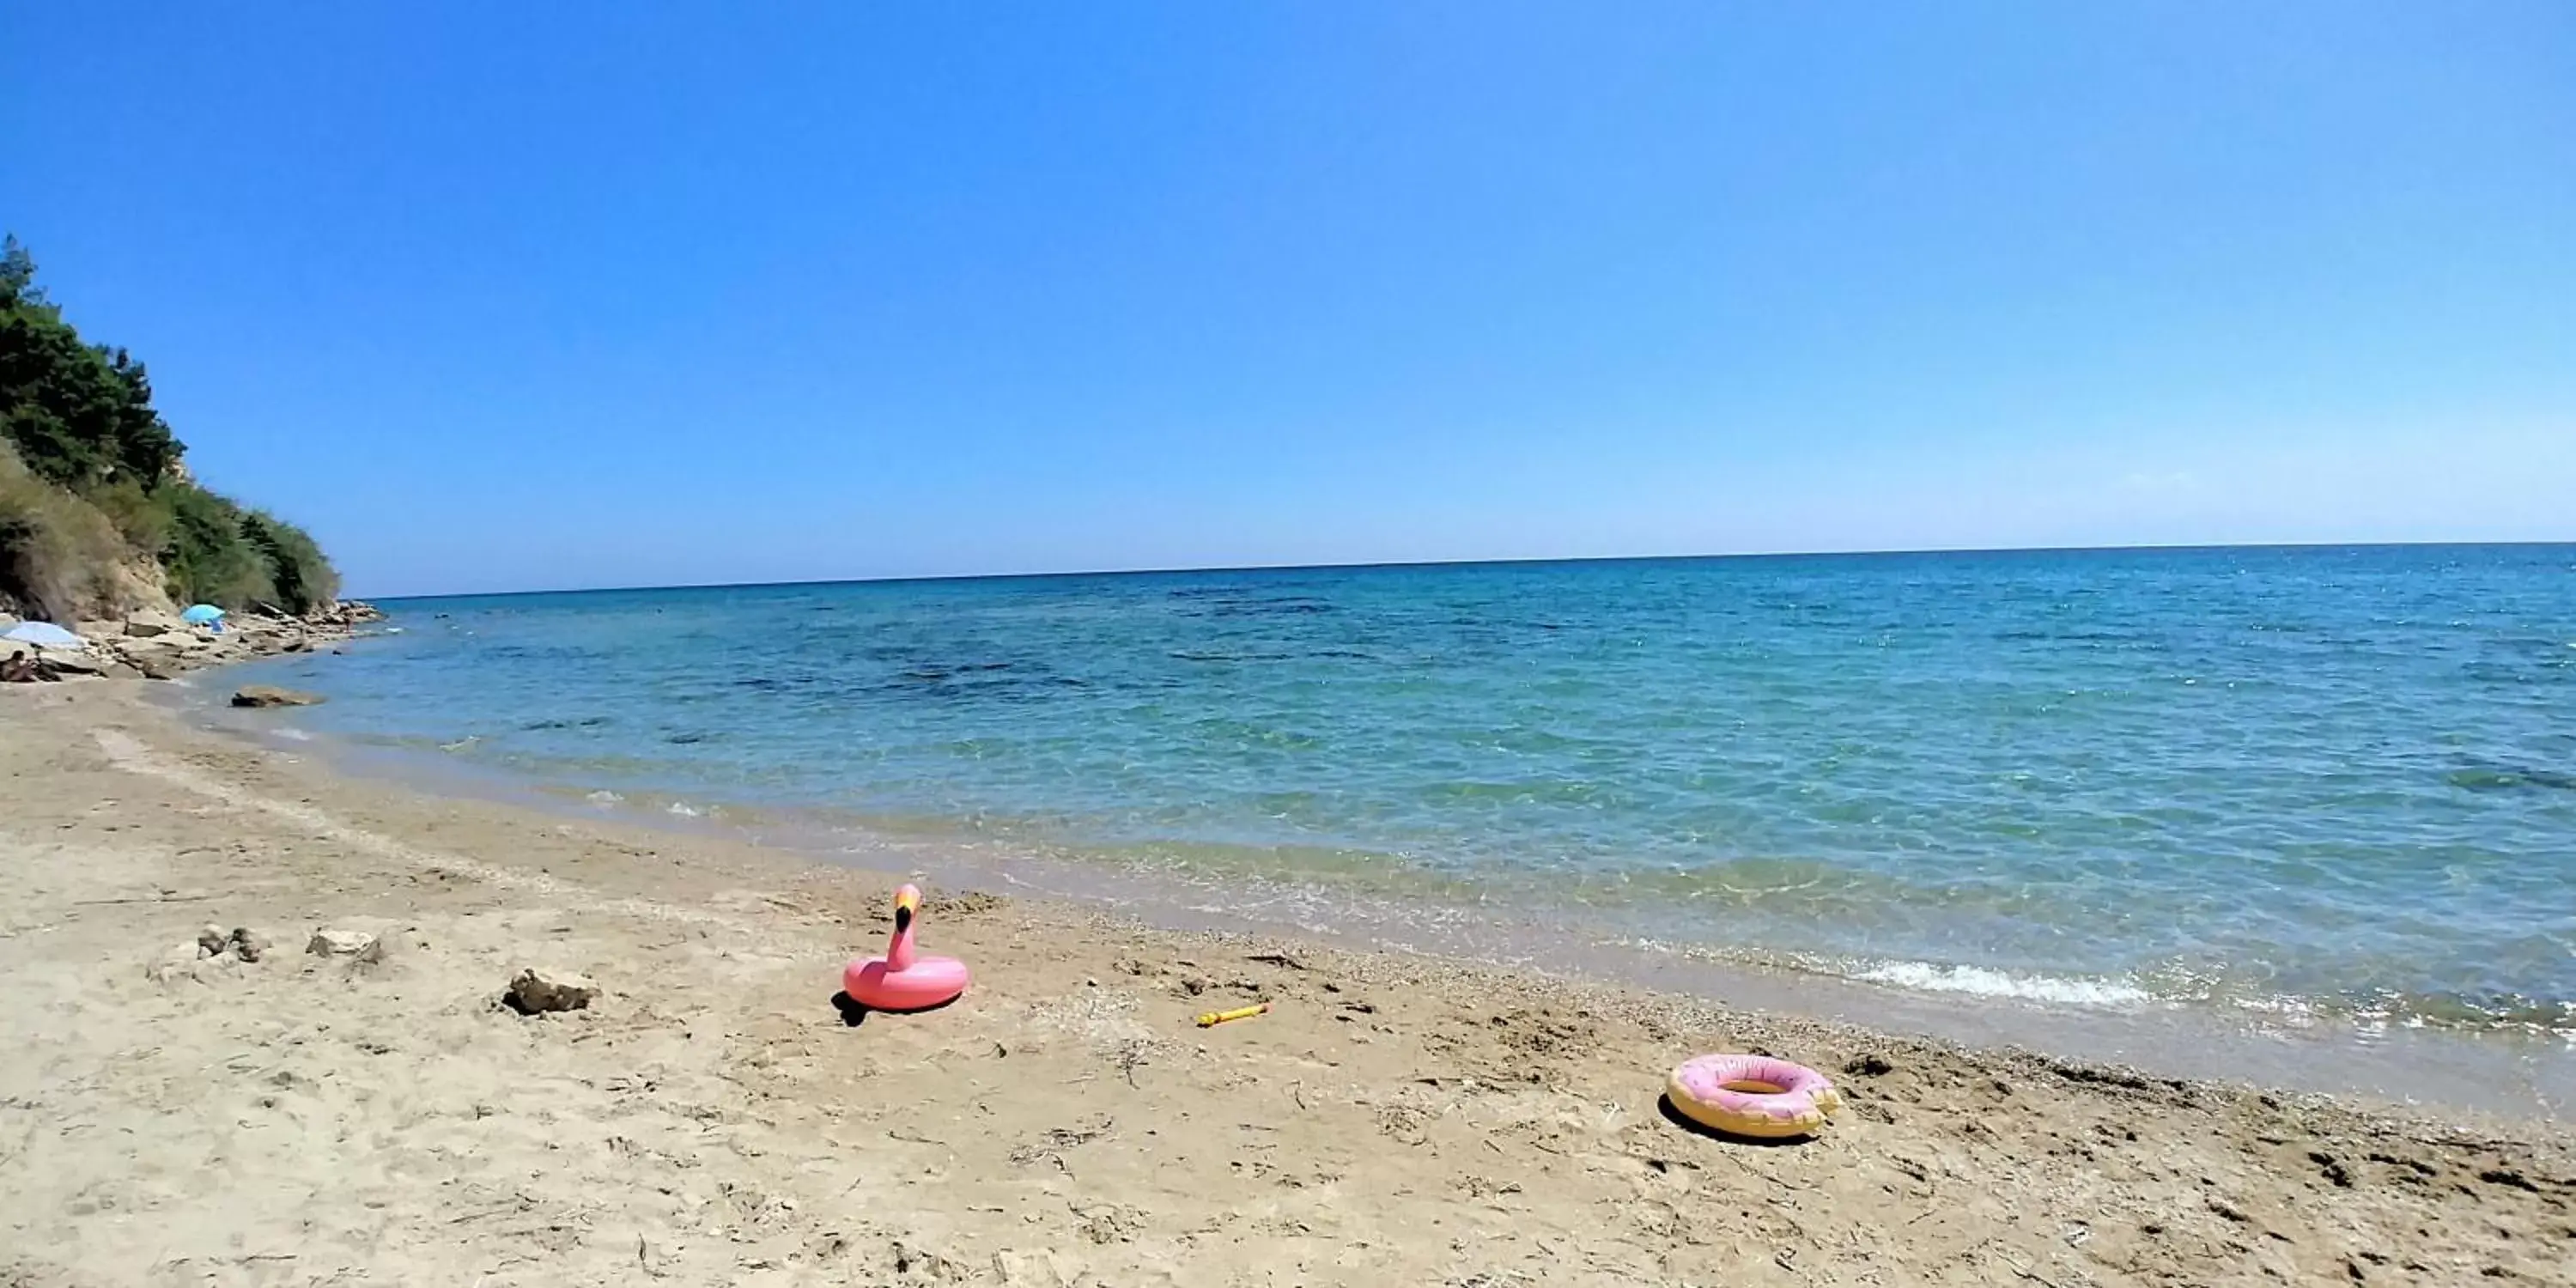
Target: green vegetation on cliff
column 95, row 506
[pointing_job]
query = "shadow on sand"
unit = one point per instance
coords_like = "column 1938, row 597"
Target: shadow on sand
column 855, row 1012
column 1664, row 1104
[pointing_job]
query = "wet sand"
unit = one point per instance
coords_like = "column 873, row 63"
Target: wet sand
column 713, row 1118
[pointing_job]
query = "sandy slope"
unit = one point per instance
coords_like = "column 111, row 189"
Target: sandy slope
column 713, row 1120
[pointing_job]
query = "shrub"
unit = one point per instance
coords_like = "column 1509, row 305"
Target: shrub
column 142, row 517
column 58, row 554
column 92, row 479
column 208, row 559
column 303, row 576
column 79, row 414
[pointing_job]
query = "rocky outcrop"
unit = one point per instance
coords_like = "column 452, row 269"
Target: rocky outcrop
column 346, row 613
column 158, row 659
column 155, row 644
column 62, row 663
column 269, row 695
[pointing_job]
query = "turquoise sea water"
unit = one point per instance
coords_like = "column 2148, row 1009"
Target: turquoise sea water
column 2332, row 783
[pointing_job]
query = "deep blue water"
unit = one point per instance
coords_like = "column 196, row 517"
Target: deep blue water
column 2306, row 781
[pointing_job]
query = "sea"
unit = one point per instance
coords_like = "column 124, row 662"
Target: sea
column 2310, row 788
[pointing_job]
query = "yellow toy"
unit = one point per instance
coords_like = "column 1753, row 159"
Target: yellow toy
column 1215, row 1018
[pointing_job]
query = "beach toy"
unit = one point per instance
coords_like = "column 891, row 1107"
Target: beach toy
column 1212, row 1019
column 900, row 981
column 1752, row 1095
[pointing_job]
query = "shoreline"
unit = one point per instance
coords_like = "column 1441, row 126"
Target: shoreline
column 2425, row 1068
column 161, row 646
column 1395, row 1119
column 2052, row 803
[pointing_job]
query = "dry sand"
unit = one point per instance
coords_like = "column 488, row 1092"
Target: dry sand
column 712, row 1119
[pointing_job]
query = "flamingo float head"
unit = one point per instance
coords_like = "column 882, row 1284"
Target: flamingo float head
column 907, row 906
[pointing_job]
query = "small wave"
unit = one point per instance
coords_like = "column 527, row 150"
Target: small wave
column 1930, row 977
column 2498, row 778
column 292, row 735
column 1984, row 982
column 683, row 809
column 603, row 797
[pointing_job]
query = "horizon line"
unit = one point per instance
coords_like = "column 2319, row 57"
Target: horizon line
column 1364, row 565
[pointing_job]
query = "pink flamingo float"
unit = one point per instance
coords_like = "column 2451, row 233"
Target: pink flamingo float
column 901, row 981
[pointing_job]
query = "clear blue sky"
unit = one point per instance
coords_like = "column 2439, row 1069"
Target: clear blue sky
column 518, row 296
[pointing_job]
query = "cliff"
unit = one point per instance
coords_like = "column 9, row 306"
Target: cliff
column 99, row 517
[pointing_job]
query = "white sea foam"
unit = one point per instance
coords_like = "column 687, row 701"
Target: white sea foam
column 683, row 809
column 1983, row 982
column 291, row 735
column 603, row 797
column 1930, row 977
column 2292, row 1011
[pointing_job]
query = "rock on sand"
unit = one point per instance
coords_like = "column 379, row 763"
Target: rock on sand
column 534, row 990
column 269, row 695
column 352, row 946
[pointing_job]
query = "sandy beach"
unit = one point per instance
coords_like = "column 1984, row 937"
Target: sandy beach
column 170, row 1118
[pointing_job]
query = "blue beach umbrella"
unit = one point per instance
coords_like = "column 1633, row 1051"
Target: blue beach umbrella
column 202, row 615
column 42, row 635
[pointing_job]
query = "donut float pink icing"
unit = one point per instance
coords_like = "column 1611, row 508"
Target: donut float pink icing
column 1752, row 1095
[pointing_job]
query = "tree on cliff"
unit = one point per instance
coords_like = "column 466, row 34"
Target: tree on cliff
column 79, row 414
column 92, row 478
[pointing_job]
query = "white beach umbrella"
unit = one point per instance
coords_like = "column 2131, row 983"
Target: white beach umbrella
column 42, row 635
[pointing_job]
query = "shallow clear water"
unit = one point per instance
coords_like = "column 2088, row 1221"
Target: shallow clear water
column 2300, row 781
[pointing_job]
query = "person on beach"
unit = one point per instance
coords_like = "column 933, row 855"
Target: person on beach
column 19, row 669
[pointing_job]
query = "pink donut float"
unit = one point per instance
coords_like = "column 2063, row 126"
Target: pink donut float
column 1752, row 1095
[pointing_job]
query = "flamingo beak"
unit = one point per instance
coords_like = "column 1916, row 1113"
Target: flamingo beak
column 907, row 903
